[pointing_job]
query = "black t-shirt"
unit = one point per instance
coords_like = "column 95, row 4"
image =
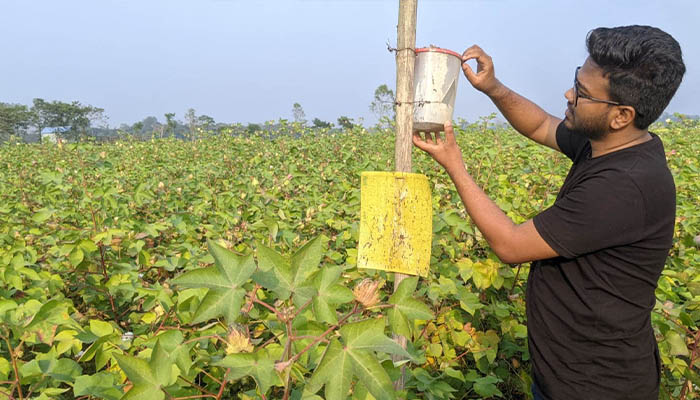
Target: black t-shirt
column 589, row 310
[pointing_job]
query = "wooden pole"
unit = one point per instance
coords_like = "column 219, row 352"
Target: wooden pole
column 405, row 60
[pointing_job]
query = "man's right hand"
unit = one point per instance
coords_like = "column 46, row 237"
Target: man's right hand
column 484, row 79
column 525, row 116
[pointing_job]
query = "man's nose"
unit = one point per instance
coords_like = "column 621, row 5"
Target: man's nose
column 569, row 95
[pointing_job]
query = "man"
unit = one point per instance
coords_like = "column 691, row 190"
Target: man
column 600, row 249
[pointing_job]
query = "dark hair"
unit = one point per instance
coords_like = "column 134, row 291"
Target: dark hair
column 644, row 66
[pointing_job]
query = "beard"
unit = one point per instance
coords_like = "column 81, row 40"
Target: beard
column 593, row 128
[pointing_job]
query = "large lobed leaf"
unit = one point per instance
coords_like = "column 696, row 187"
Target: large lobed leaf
column 168, row 358
column 146, row 385
column 354, row 357
column 225, row 282
column 259, row 365
column 330, row 294
column 284, row 277
column 406, row 308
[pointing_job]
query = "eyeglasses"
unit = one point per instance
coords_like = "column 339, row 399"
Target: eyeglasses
column 577, row 94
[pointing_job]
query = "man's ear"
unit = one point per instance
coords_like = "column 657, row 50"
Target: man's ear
column 622, row 117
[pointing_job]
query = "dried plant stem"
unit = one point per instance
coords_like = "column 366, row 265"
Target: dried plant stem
column 269, row 307
column 14, row 366
column 323, row 335
column 201, row 389
column 515, row 281
column 693, row 355
column 223, row 384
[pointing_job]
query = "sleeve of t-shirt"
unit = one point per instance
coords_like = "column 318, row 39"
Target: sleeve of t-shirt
column 603, row 211
column 569, row 142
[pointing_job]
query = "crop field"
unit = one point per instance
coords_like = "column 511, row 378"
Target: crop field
column 225, row 268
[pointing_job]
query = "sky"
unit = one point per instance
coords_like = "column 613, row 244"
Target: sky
column 251, row 60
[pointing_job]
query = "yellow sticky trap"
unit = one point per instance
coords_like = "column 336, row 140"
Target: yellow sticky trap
column 396, row 222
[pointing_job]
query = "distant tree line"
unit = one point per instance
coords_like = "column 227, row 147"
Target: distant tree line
column 20, row 120
column 78, row 121
column 26, row 122
column 85, row 121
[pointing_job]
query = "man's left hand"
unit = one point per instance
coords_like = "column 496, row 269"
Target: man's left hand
column 445, row 151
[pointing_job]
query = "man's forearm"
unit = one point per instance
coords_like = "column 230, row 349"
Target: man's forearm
column 524, row 115
column 493, row 223
column 512, row 243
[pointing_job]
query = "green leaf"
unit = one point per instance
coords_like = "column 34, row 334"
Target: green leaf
column 335, row 371
column 485, row 274
column 99, row 385
column 49, row 393
column 162, row 364
column 101, row 328
column 486, row 387
column 369, row 335
column 302, row 294
column 487, row 345
column 170, row 342
column 466, row 268
column 141, row 392
column 146, row 385
column 284, row 277
column 18, row 261
column 309, row 396
column 76, row 256
column 307, row 259
column 372, row 375
column 341, row 362
column 455, row 373
column 480, row 276
column 413, row 309
column 225, row 281
column 468, row 301
column 236, row 269
column 88, row 246
column 259, row 365
column 360, row 392
column 6, row 305
column 42, row 215
column 208, row 277
column 678, row 346
column 520, row 331
column 399, row 323
column 53, row 311
column 330, row 294
column 93, row 348
column 274, row 273
column 62, row 370
column 406, row 308
column 687, row 320
column 219, row 302
column 4, row 369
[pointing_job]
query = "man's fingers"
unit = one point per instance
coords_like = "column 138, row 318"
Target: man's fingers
column 449, row 132
column 468, row 72
column 483, row 60
column 472, row 52
column 417, row 141
column 438, row 138
column 423, row 137
column 483, row 63
column 421, row 143
column 433, row 140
